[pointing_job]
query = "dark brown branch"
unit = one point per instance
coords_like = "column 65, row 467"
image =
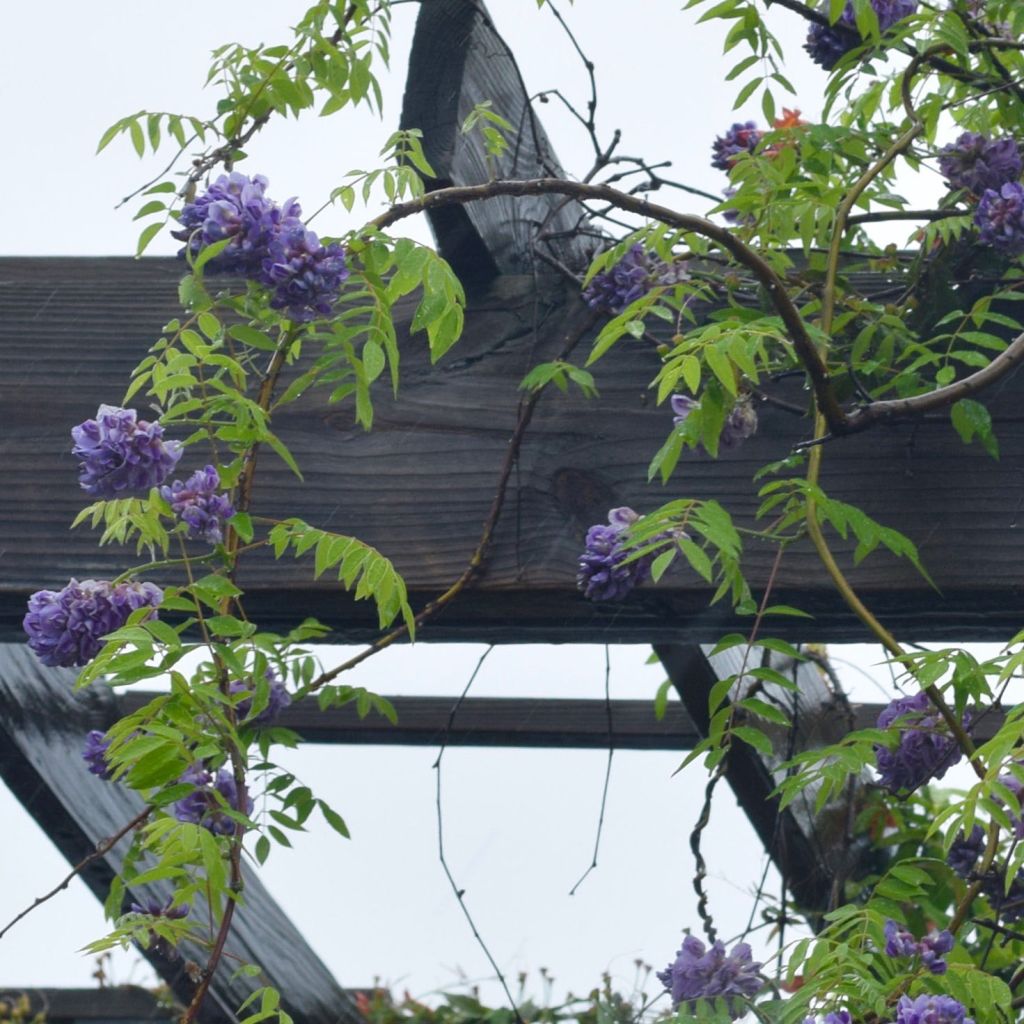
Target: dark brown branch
column 101, row 850
column 885, row 215
column 940, row 398
column 805, row 348
column 479, row 555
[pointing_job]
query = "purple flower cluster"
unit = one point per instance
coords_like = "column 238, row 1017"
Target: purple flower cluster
column 924, row 751
column 268, row 244
column 931, row 1010
column 205, row 805
column 66, row 627
column 634, row 275
column 977, row 164
column 122, row 454
column 963, row 858
column 196, row 503
column 306, row 276
column 740, row 424
column 739, row 139
column 828, row 43
column 700, row 973
column 1000, row 218
column 965, row 851
column 838, row 1017
column 94, row 753
column 602, row 576
column 278, row 698
column 931, row 949
column 157, row 943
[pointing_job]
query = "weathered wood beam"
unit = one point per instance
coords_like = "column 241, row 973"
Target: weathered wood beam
column 419, row 486
column 42, row 727
column 548, row 722
column 119, row 1004
column 814, row 852
column 459, row 60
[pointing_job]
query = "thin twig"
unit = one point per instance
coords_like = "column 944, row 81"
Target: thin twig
column 460, row 894
column 607, row 771
column 102, row 849
column 479, row 556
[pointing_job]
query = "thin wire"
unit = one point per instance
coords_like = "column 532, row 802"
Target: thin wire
column 607, row 770
column 460, row 894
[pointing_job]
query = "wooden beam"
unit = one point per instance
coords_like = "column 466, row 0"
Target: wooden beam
column 43, row 722
column 814, row 852
column 458, row 60
column 419, row 486
column 548, row 722
column 119, row 1004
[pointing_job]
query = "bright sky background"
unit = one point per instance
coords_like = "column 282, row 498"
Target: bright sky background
column 519, row 824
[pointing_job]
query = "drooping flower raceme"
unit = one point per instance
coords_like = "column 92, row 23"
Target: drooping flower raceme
column 740, row 423
column 306, row 276
column 153, row 909
column 925, row 751
column 1000, row 218
column 269, row 244
column 614, row 289
column 977, row 163
column 278, row 698
column 234, row 207
column 602, row 574
column 965, row 852
column 94, row 753
column 826, row 44
column 701, row 973
column 122, row 455
column 837, row 1017
column 196, row 503
column 931, row 1010
column 205, row 805
column 931, row 949
column 740, row 138
column 66, row 627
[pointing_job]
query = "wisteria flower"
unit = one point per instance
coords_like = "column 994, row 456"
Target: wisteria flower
column 234, row 207
column 977, row 163
column 305, row 275
column 1000, row 218
column 925, row 751
column 827, row 44
column 278, row 698
column 66, row 627
column 836, row 1017
column 604, row 574
column 965, row 851
column 122, row 455
column 931, row 949
column 155, row 910
column 94, row 753
column 699, row 973
column 206, row 804
column 739, row 139
column 740, row 423
column 931, row 1010
column 614, row 289
column 196, row 503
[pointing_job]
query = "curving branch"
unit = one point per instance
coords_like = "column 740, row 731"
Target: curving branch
column 907, row 408
column 806, row 350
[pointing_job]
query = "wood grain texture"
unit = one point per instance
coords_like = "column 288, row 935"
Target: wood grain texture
column 43, row 723
column 419, row 486
column 458, row 60
column 119, row 1004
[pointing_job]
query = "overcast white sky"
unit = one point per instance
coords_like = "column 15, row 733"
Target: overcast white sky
column 520, row 824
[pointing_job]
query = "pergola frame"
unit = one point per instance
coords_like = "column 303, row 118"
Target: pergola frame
column 434, row 461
